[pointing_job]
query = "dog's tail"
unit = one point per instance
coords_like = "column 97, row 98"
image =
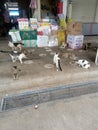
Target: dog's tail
column 2, row 51
column 59, row 65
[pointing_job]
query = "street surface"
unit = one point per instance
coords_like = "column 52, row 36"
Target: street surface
column 79, row 113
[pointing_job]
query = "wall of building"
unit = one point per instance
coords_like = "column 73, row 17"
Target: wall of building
column 84, row 10
column 96, row 13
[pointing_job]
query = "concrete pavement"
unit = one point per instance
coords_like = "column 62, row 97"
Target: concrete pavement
column 79, row 113
column 35, row 76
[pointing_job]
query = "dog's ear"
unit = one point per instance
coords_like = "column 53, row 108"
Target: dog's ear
column 57, row 53
column 19, row 45
column 10, row 44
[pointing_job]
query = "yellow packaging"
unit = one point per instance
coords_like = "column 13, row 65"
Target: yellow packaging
column 61, row 37
column 63, row 24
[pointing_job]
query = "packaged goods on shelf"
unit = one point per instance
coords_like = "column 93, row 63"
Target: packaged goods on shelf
column 33, row 23
column 44, row 28
column 23, row 23
column 44, row 24
column 54, row 29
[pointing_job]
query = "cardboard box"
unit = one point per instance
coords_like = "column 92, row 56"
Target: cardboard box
column 70, row 25
column 74, row 28
column 42, row 41
column 75, row 41
column 54, row 32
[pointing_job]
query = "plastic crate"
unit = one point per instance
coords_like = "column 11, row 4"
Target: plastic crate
column 28, row 34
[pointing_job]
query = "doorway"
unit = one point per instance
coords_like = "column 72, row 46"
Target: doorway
column 49, row 9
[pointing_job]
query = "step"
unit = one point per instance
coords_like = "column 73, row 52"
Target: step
column 45, row 95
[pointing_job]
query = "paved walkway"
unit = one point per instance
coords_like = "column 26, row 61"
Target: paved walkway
column 36, row 75
column 79, row 113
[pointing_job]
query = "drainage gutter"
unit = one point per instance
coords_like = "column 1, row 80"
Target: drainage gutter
column 45, row 95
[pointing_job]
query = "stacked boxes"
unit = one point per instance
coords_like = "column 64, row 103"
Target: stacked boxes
column 43, row 34
column 34, row 33
column 74, row 35
column 28, row 36
column 53, row 38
